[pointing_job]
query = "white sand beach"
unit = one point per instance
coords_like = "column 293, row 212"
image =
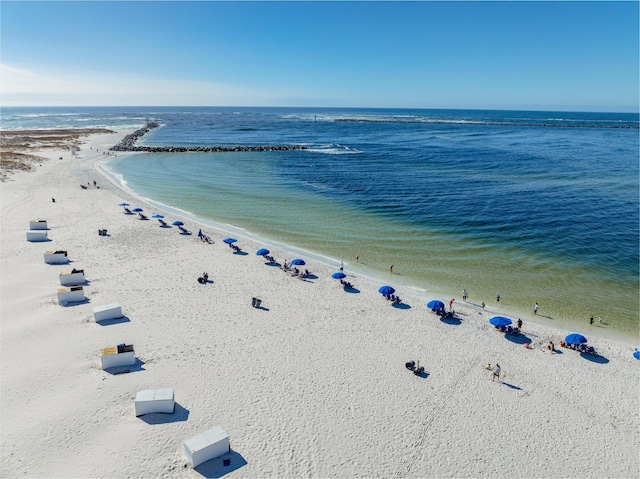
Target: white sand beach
column 312, row 384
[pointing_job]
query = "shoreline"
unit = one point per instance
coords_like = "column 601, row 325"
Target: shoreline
column 314, row 384
column 422, row 295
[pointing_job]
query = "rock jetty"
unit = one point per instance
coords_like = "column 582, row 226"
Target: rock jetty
column 128, row 143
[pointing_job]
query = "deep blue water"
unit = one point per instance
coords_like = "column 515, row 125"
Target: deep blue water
column 550, row 198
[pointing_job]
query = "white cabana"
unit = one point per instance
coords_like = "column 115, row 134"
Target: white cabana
column 155, row 400
column 73, row 277
column 37, row 235
column 56, row 257
column 108, row 311
column 70, row 295
column 206, row 446
column 38, row 225
column 121, row 355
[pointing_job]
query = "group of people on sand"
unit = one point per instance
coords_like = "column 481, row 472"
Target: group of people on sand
column 84, row 187
column 204, row 238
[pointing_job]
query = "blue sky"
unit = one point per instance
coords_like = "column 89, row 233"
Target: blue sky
column 494, row 55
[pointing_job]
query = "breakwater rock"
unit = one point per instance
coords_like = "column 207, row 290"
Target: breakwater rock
column 128, row 143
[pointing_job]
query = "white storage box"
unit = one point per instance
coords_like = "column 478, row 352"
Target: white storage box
column 38, row 225
column 70, row 295
column 37, row 236
column 108, row 311
column 155, row 400
column 55, row 257
column 121, row 355
column 73, row 277
column 206, row 446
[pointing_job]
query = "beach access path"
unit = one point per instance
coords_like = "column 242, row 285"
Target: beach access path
column 313, row 384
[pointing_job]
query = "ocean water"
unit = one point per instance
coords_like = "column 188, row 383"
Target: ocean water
column 532, row 206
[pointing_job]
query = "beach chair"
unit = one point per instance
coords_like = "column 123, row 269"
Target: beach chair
column 591, row 350
column 509, row 330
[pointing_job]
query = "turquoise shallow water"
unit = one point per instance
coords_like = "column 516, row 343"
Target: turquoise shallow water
column 245, row 191
column 534, row 206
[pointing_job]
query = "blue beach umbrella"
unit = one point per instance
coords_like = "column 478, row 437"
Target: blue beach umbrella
column 262, row 252
column 500, row 321
column 338, row 275
column 158, row 216
column 636, row 354
column 177, row 223
column 298, row 262
column 575, row 338
column 123, row 204
column 137, row 210
column 229, row 240
column 435, row 305
column 386, row 290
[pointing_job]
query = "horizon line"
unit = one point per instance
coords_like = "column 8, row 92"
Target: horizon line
column 635, row 112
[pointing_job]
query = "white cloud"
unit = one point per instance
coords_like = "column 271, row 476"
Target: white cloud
column 19, row 87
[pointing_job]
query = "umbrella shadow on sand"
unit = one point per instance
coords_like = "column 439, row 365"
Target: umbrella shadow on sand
column 453, row 321
column 518, row 338
column 222, row 465
column 351, row 290
column 401, row 306
column 594, row 358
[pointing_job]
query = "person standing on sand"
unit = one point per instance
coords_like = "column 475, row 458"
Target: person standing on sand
column 591, row 320
column 496, row 372
column 519, row 324
column 451, row 304
column 465, row 295
column 535, row 309
column 341, row 266
column 391, row 269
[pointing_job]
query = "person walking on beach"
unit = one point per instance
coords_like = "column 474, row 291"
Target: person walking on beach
column 498, row 298
column 591, row 320
column 519, row 324
column 465, row 295
column 391, row 269
column 496, row 372
column 341, row 266
column 535, row 309
column 358, row 259
column 451, row 304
